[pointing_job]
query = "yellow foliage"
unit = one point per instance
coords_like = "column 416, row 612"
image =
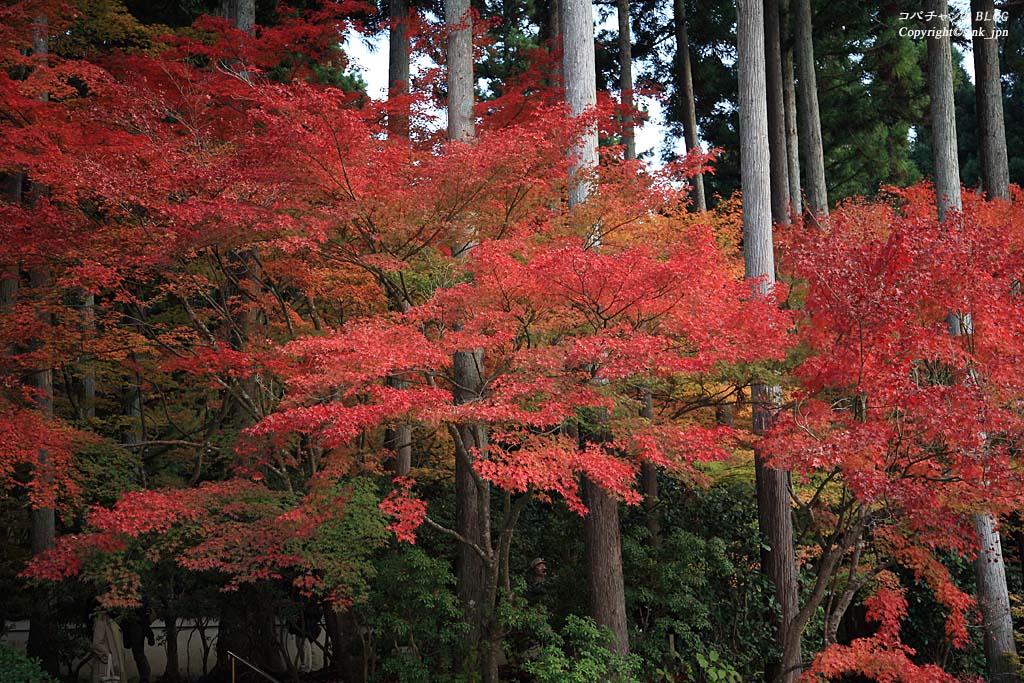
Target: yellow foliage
column 103, row 25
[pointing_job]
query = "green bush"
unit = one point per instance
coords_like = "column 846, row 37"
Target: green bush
column 580, row 654
column 16, row 667
column 411, row 618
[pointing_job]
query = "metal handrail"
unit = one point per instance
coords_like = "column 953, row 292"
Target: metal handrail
column 255, row 668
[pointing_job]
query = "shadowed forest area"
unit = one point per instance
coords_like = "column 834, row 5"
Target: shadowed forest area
column 301, row 384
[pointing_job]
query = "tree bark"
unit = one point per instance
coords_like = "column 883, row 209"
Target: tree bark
column 340, row 629
column 85, row 384
column 626, row 77
column 684, row 84
column 601, row 525
column 789, row 104
column 1000, row 649
column 778, row 559
column 649, row 483
column 398, row 439
column 10, row 275
column 993, row 599
column 990, row 570
column 550, row 22
column 988, row 92
column 943, row 112
column 135, row 433
column 809, row 119
column 580, row 71
column 604, row 564
column 398, row 65
column 42, row 531
column 241, row 12
column 758, row 253
column 774, row 515
column 172, row 671
column 471, row 495
column 778, row 151
column 458, row 21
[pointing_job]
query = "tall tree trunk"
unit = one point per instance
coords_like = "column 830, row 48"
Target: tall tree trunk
column 398, row 65
column 241, row 12
column 43, row 521
column 399, row 441
column 604, row 564
column 550, row 21
column 172, row 671
column 472, row 495
column 943, row 112
column 549, row 17
column 85, row 384
column 684, row 85
column 993, row 598
column 990, row 570
column 43, row 530
column 775, row 521
column 649, row 483
column 580, row 71
column 988, row 92
column 809, row 119
column 458, row 19
column 778, row 151
column 601, row 525
column 340, row 629
column 789, row 104
column 136, row 432
column 774, row 515
column 10, row 192
column 240, row 263
column 626, row 77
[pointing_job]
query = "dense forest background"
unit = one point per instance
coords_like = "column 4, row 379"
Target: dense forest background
column 271, row 346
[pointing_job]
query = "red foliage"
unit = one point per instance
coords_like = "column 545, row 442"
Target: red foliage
column 239, row 529
column 921, row 427
column 314, row 261
column 406, row 510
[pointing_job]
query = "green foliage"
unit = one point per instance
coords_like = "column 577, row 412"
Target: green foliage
column 714, row 669
column 924, row 627
column 343, row 78
column 580, row 654
column 106, row 471
column 697, row 590
column 16, row 667
column 340, row 551
column 872, row 91
column 411, row 617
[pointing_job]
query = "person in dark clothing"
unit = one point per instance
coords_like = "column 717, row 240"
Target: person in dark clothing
column 135, row 627
column 535, row 588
